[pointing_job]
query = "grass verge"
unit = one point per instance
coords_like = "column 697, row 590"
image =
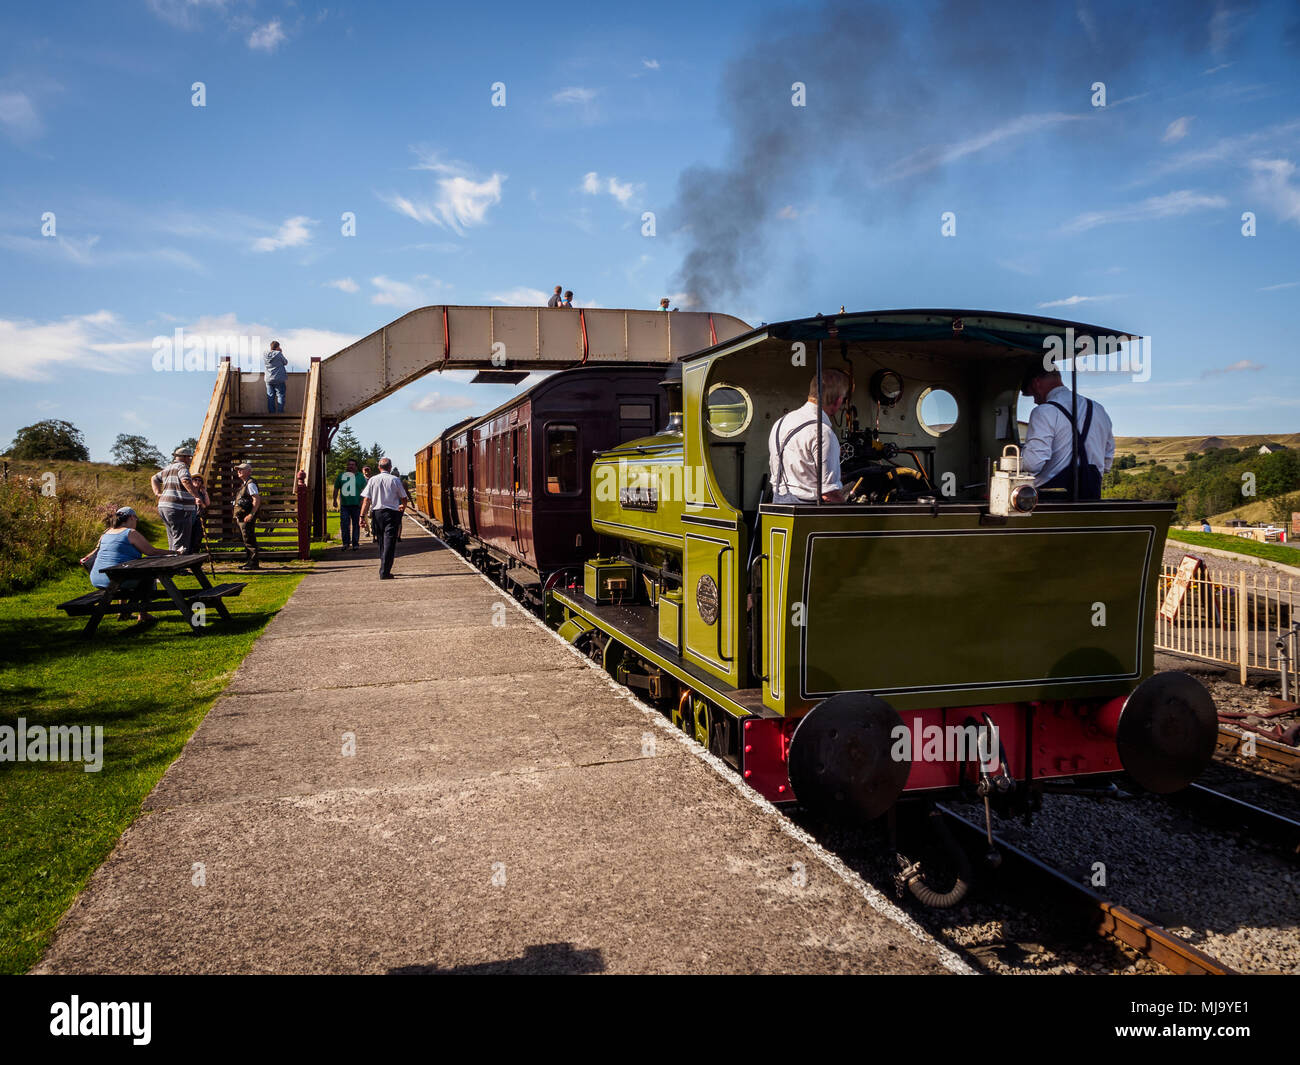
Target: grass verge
column 148, row 690
column 1288, row 556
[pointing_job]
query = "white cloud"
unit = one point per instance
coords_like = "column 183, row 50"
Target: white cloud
column 343, row 284
column 419, row 292
column 83, row 251
column 1177, row 130
column 18, row 115
column 521, row 296
column 184, row 14
column 30, row 351
column 1284, row 284
column 266, row 38
column 1073, row 301
column 623, row 191
column 1171, row 205
column 292, row 233
column 650, row 64
column 575, row 95
column 460, row 202
column 299, row 344
column 436, row 401
column 1240, row 366
column 1271, row 182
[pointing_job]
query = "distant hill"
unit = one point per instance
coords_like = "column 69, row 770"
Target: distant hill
column 1169, row 450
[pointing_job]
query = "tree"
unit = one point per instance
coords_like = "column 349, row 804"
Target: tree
column 191, row 442
column 50, row 439
column 133, row 452
column 345, row 446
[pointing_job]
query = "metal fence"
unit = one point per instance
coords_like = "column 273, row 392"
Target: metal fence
column 1248, row 620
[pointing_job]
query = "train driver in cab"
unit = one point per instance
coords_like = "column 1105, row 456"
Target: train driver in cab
column 1047, row 449
column 792, row 445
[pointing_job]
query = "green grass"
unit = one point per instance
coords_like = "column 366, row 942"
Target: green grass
column 149, row 691
column 1239, row 545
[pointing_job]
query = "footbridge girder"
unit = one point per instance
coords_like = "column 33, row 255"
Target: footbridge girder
column 497, row 339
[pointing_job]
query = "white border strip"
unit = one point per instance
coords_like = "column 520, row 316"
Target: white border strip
column 873, row 897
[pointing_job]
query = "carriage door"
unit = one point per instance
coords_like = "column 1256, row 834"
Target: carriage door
column 521, row 489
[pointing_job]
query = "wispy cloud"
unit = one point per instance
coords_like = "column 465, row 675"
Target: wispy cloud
column 575, row 95
column 417, row 292
column 185, row 14
column 343, row 284
column 434, row 402
column 1240, row 366
column 1177, row 130
column 86, row 251
column 623, row 191
column 34, row 351
column 650, row 64
column 460, row 201
column 1271, row 183
column 932, row 158
column 18, row 116
column 266, row 38
column 1284, row 284
column 520, row 296
column 1074, row 301
column 1228, row 150
column 293, row 233
column 1170, row 205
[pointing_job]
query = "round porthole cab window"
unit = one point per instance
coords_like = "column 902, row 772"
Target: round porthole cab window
column 936, row 410
column 728, row 409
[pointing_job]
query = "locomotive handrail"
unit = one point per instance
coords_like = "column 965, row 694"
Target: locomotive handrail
column 756, row 619
column 722, row 657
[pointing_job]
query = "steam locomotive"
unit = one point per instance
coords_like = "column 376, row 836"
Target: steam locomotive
column 943, row 633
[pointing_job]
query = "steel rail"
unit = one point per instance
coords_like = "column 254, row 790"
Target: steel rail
column 1119, row 922
column 1283, row 762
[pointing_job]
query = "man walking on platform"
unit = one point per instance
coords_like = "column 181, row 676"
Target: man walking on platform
column 348, row 486
column 384, row 498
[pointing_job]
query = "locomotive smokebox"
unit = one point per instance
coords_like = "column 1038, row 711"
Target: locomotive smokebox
column 841, row 762
column 1166, row 732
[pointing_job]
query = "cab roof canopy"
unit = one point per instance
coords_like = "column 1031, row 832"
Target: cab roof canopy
column 956, row 333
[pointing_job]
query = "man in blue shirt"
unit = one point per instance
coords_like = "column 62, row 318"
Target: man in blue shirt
column 273, row 372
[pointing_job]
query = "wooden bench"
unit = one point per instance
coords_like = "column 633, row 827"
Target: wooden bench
column 149, row 571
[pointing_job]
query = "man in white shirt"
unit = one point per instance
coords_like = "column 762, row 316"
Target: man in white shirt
column 1047, row 449
column 384, row 498
column 792, row 445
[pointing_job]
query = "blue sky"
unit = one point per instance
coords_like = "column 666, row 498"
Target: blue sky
column 226, row 218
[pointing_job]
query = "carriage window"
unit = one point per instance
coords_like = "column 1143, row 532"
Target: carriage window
column 522, row 460
column 561, row 459
column 729, row 409
column 634, row 412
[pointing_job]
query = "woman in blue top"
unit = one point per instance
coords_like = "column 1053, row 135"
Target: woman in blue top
column 122, row 543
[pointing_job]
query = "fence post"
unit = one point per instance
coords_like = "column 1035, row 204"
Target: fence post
column 304, row 518
column 1243, row 616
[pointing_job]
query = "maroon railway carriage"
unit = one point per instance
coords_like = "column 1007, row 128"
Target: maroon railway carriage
column 518, row 493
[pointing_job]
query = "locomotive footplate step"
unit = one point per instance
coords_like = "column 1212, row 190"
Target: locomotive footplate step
column 415, row 776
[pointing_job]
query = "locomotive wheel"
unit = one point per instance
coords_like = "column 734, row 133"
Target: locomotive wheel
column 840, row 763
column 702, row 721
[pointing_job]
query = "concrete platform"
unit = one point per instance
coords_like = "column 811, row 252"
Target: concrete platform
column 395, row 781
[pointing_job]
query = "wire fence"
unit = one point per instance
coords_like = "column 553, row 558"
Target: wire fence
column 1247, row 620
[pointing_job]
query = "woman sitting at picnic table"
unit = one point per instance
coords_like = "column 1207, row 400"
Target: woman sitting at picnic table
column 122, row 543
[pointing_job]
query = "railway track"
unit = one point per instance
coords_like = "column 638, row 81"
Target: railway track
column 1270, row 759
column 1107, row 918
column 1226, row 811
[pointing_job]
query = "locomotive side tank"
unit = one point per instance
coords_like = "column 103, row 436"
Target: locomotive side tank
column 835, row 653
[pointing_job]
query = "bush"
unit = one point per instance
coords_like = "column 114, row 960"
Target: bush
column 43, row 535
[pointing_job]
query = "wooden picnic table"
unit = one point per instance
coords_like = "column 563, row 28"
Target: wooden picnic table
column 162, row 569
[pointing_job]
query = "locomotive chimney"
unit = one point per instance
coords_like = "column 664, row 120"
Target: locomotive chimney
column 672, row 384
